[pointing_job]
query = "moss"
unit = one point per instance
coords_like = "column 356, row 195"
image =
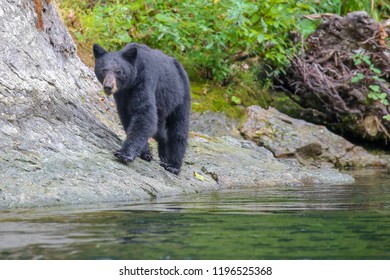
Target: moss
column 231, row 100
column 284, row 104
column 206, row 97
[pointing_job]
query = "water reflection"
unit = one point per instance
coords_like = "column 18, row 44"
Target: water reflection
column 285, row 222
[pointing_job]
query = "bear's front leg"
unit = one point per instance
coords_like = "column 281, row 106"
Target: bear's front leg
column 124, row 156
column 146, row 154
column 131, row 149
column 143, row 125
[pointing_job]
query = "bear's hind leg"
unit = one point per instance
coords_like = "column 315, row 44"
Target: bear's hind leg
column 163, row 151
column 177, row 130
column 161, row 138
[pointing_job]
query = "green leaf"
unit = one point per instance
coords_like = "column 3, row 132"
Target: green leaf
column 374, row 88
column 209, row 46
column 260, row 38
column 373, row 95
column 236, row 100
column 165, row 19
column 124, row 37
column 367, row 60
column 375, row 70
column 307, row 27
column 357, row 61
column 377, row 78
column 357, row 78
column 387, row 117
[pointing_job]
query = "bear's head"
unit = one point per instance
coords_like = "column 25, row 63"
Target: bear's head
column 115, row 70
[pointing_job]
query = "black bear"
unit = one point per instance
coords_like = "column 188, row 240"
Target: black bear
column 152, row 94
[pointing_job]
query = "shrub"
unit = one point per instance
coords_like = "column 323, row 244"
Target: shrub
column 209, row 37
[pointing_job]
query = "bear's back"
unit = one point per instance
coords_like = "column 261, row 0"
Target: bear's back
column 158, row 64
column 146, row 52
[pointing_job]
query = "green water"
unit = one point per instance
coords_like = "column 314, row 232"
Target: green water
column 310, row 222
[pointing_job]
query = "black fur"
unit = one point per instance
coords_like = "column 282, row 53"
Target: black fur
column 152, row 93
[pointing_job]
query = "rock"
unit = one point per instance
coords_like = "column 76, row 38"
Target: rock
column 311, row 144
column 57, row 132
column 236, row 163
column 214, row 124
column 53, row 178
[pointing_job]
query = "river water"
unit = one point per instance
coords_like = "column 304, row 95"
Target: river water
column 283, row 222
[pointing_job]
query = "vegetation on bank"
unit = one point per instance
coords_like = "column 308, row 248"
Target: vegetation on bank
column 235, row 44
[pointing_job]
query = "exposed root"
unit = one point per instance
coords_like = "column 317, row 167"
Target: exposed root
column 336, row 72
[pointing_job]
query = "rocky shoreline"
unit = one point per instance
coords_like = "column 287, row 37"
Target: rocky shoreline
column 95, row 176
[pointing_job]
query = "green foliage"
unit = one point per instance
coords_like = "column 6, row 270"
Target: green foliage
column 208, row 97
column 377, row 94
column 377, row 9
column 357, row 78
column 209, row 37
column 373, row 75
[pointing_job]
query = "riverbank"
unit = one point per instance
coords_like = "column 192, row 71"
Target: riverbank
column 84, row 177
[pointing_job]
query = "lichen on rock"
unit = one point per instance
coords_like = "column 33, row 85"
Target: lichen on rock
column 311, row 144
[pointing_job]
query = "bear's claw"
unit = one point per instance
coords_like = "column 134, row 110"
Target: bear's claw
column 148, row 156
column 169, row 168
column 125, row 158
column 173, row 170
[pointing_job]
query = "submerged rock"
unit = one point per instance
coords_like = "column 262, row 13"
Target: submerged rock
column 311, row 144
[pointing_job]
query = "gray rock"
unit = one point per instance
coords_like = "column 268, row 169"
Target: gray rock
column 214, row 124
column 83, row 177
column 311, row 144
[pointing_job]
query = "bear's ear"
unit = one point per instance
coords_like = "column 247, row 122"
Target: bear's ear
column 98, row 51
column 130, row 54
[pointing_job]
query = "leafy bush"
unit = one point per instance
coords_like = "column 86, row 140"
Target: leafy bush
column 220, row 40
column 211, row 38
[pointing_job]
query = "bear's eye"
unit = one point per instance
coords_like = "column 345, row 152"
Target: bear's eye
column 104, row 71
column 119, row 72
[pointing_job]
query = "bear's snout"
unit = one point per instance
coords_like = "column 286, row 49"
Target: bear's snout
column 109, row 84
column 108, row 89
